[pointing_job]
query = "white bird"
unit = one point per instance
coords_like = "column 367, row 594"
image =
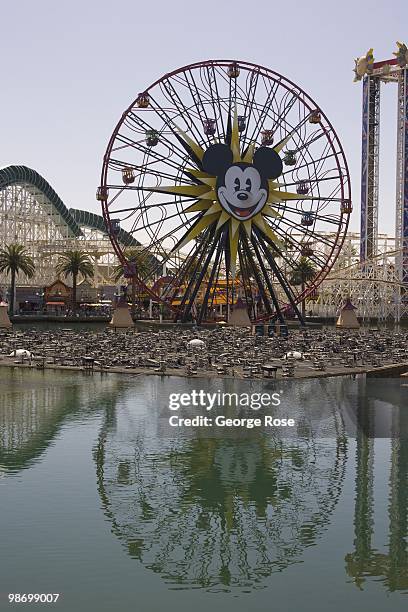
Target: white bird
column 294, row 355
column 196, row 343
column 20, row 352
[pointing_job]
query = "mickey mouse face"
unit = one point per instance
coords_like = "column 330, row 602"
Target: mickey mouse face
column 242, row 188
column 241, row 195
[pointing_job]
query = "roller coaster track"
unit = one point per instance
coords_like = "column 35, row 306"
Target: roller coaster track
column 35, row 184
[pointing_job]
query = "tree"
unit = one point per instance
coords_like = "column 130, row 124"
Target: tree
column 74, row 263
column 303, row 272
column 14, row 259
column 140, row 261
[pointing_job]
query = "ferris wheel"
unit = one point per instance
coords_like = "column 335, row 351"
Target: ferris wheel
column 232, row 180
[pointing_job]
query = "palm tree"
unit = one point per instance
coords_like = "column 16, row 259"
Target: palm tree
column 304, row 271
column 140, row 261
column 14, row 259
column 74, row 263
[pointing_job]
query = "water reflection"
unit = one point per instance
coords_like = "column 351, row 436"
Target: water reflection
column 34, row 406
column 223, row 512
column 391, row 566
column 215, row 512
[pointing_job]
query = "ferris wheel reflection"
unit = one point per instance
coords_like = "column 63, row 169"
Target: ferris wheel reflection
column 215, row 512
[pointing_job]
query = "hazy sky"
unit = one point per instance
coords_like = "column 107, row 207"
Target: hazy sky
column 69, row 69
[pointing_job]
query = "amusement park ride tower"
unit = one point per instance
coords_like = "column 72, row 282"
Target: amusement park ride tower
column 373, row 74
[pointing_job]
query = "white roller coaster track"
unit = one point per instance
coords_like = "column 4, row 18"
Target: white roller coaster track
column 373, row 286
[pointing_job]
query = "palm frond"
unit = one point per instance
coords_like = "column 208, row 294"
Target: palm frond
column 14, row 258
column 74, row 263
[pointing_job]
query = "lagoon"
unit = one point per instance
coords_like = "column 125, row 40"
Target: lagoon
column 105, row 503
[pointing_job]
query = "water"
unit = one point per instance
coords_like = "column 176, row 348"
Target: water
column 102, row 502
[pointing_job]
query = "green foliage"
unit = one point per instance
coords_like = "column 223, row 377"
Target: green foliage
column 137, row 257
column 304, row 271
column 14, row 259
column 74, row 263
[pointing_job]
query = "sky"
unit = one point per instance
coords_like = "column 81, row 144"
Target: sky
column 69, row 70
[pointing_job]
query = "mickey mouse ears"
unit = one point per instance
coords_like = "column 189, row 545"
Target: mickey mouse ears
column 268, row 163
column 218, row 157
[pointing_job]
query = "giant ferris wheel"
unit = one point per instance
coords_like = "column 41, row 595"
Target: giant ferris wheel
column 226, row 174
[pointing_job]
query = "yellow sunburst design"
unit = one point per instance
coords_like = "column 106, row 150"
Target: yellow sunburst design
column 207, row 202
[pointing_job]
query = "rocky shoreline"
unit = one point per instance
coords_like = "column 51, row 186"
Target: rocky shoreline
column 217, row 353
